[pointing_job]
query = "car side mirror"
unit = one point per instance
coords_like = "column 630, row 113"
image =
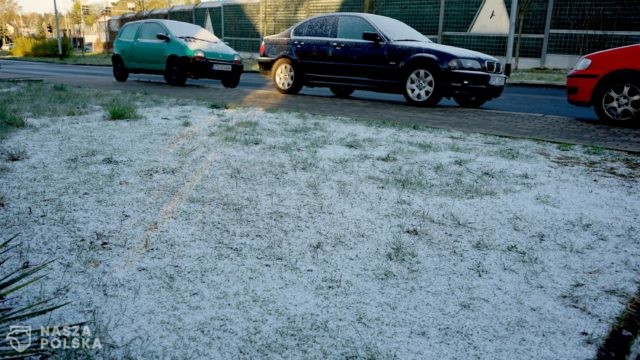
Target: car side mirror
column 163, row 37
column 371, row 36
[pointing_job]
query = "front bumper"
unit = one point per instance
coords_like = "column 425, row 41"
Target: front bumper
column 474, row 83
column 580, row 86
column 205, row 69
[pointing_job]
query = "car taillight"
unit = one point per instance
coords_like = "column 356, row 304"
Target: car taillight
column 262, row 49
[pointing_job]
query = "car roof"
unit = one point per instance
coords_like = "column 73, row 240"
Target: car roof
column 163, row 21
column 364, row 15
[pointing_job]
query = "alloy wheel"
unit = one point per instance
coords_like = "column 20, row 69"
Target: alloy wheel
column 285, row 76
column 621, row 101
column 420, row 85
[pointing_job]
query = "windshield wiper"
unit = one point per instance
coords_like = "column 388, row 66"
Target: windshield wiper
column 195, row 38
column 406, row 40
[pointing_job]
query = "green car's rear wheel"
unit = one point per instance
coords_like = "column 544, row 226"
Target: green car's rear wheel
column 120, row 72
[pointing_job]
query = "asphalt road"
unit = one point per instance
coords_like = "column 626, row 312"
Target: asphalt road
column 530, row 100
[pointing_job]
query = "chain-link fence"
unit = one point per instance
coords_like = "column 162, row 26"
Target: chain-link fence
column 548, row 33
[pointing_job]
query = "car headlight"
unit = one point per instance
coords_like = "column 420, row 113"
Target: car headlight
column 582, row 64
column 465, row 64
column 198, row 55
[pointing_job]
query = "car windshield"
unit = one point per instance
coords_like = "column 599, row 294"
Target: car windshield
column 396, row 30
column 190, row 32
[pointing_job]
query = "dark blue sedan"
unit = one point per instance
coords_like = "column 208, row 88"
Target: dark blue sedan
column 357, row 51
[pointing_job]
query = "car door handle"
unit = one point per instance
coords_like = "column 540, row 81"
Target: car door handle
column 299, row 43
column 337, row 46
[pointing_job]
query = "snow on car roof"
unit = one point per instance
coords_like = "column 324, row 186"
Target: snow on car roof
column 179, row 28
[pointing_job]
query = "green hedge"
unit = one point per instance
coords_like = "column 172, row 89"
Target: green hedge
column 26, row 46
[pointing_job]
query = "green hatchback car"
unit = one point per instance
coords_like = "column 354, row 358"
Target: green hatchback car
column 175, row 49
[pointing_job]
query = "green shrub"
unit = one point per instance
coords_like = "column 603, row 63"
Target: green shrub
column 24, row 46
column 120, row 109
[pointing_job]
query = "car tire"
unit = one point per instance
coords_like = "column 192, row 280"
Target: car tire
column 286, row 77
column 120, row 72
column 422, row 85
column 470, row 101
column 341, row 92
column 231, row 82
column 174, row 74
column 618, row 99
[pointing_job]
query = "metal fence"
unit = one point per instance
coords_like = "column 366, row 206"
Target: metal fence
column 549, row 33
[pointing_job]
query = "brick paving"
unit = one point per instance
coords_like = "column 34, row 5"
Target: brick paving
column 517, row 125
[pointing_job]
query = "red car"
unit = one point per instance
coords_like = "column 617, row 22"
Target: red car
column 610, row 81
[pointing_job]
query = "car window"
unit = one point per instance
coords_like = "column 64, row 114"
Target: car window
column 318, row 27
column 128, row 32
column 397, row 30
column 352, row 27
column 150, row 30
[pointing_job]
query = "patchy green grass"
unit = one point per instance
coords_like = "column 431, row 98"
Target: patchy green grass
column 9, row 121
column 565, row 147
column 551, row 76
column 593, row 150
column 37, row 99
column 75, row 59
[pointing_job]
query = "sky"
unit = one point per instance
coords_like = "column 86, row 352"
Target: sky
column 44, row 6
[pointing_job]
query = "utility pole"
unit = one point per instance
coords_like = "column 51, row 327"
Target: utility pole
column 512, row 31
column 82, row 11
column 55, row 9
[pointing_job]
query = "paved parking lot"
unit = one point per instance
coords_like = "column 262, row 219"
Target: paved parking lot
column 531, row 126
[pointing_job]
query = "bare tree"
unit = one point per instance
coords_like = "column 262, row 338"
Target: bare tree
column 8, row 16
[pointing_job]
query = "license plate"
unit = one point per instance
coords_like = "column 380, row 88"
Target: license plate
column 496, row 80
column 221, row 67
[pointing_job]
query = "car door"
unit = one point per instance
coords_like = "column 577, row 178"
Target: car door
column 312, row 45
column 124, row 44
column 360, row 61
column 148, row 50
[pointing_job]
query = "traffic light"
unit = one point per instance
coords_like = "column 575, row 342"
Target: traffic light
column 49, row 28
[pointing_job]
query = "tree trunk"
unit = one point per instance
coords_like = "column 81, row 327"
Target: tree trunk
column 521, row 14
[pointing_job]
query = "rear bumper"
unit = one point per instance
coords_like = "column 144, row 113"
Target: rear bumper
column 580, row 88
column 205, row 69
column 475, row 83
column 265, row 64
